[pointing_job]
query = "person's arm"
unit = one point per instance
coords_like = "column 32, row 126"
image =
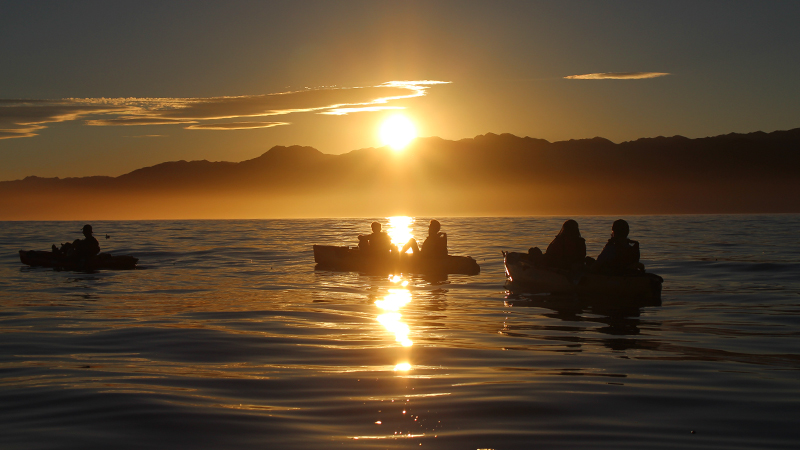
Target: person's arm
column 635, row 251
column 552, row 248
column 607, row 254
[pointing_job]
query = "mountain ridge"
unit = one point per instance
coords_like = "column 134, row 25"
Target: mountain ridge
column 487, row 174
column 280, row 152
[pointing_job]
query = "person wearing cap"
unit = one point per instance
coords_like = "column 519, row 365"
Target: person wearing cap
column 88, row 246
column 620, row 254
column 378, row 242
column 435, row 244
column 80, row 248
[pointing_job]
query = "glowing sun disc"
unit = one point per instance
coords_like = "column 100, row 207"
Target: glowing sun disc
column 397, row 132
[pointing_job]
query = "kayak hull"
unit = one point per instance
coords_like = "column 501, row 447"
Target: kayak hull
column 345, row 259
column 522, row 273
column 103, row 261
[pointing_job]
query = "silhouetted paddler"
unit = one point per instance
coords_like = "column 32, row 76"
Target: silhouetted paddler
column 620, row 254
column 80, row 248
column 566, row 251
column 435, row 244
column 378, row 242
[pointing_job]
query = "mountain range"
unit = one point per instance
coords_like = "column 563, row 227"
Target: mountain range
column 486, row 175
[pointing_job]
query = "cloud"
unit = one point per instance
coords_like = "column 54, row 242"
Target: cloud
column 19, row 132
column 126, row 121
column 22, row 118
column 236, row 125
column 345, row 111
column 617, row 76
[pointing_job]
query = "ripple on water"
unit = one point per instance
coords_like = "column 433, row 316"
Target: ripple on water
column 230, row 338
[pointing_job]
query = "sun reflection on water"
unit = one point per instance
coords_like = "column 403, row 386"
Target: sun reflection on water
column 400, row 229
column 394, row 300
column 391, row 303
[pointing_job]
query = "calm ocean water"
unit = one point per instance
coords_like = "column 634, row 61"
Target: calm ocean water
column 228, row 338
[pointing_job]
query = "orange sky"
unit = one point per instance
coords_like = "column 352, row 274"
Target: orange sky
column 103, row 89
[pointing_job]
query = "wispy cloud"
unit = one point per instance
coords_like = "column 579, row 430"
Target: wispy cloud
column 236, row 125
column 345, row 111
column 617, row 76
column 19, row 131
column 23, row 118
column 133, row 120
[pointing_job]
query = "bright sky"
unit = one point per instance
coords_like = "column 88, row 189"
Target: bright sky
column 103, row 88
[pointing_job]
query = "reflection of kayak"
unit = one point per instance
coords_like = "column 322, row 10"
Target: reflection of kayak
column 345, row 259
column 101, row 261
column 520, row 272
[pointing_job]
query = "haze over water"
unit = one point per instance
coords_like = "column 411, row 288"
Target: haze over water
column 228, row 338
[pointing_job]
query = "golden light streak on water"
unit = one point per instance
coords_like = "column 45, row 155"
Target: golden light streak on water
column 392, row 302
column 393, row 324
column 398, row 279
column 402, row 367
column 400, row 230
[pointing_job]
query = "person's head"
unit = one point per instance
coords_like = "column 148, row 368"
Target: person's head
column 434, row 227
column 87, row 230
column 620, row 229
column 376, row 227
column 570, row 229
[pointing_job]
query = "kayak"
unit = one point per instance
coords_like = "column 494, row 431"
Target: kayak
column 346, row 259
column 101, row 261
column 521, row 273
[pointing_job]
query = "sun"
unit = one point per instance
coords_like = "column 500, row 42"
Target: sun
column 397, row 131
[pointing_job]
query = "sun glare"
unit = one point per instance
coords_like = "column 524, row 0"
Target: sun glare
column 397, row 132
column 400, row 230
column 391, row 319
column 402, row 367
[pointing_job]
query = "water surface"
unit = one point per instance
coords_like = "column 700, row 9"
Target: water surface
column 228, row 338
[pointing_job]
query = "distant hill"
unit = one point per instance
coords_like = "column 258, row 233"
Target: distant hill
column 485, row 175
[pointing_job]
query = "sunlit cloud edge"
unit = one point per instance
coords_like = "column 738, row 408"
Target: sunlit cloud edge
column 345, row 111
column 617, row 76
column 136, row 121
column 21, row 118
column 236, row 125
column 20, row 132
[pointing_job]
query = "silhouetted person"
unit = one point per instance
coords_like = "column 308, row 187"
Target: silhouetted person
column 435, row 244
column 566, row 251
column 620, row 255
column 80, row 248
column 378, row 242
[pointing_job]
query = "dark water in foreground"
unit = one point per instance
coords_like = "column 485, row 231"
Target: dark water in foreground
column 228, row 338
